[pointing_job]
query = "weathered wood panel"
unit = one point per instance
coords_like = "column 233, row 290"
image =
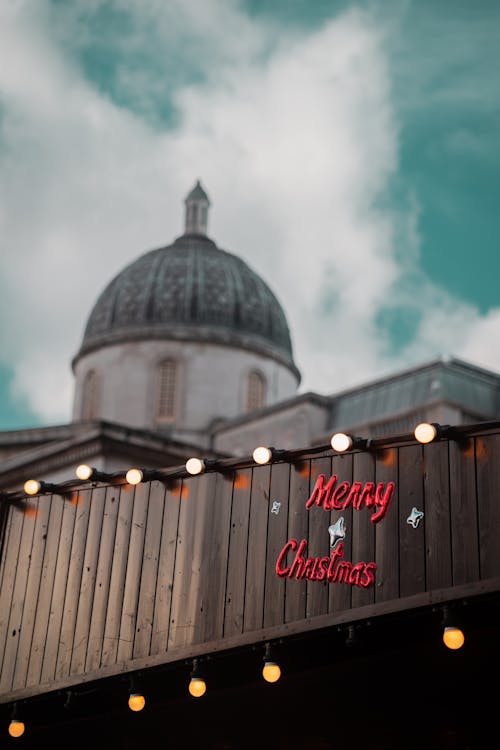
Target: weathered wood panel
column 363, row 540
column 277, row 524
column 488, row 496
column 45, row 593
column 298, row 529
column 319, row 540
column 166, row 565
column 18, row 596
column 339, row 596
column 103, row 579
column 411, row 533
column 437, row 516
column 189, row 563
column 31, row 597
column 237, row 555
column 387, row 530
column 256, row 560
column 88, row 579
column 463, row 512
column 149, row 573
column 209, row 618
column 121, row 546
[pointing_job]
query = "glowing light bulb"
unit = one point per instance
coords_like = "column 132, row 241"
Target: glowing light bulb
column 425, row 432
column 83, row 471
column 271, row 671
column 197, row 687
column 136, row 701
column 341, row 442
column 134, row 476
column 16, row 728
column 32, row 487
column 262, row 455
column 194, row 466
column 453, row 638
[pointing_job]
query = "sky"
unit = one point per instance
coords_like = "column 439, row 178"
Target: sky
column 351, row 152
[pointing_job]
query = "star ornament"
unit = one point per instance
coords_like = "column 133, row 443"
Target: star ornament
column 415, row 517
column 337, row 532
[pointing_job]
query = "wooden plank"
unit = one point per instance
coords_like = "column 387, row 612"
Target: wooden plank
column 363, row 531
column 463, row 507
column 411, row 536
column 257, row 542
column 133, row 574
column 149, row 573
column 238, row 550
column 118, row 574
column 277, row 527
column 209, row 619
column 103, row 579
column 339, row 596
column 189, row 561
column 319, row 541
column 298, row 528
column 31, row 597
column 88, row 580
column 387, row 529
column 488, row 483
column 18, row 596
column 166, row 566
column 70, row 601
column 58, row 590
column 11, row 550
column 437, row 516
column 46, row 587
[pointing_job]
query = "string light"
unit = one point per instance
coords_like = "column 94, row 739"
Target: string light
column 197, row 685
column 136, row 701
column 426, row 432
column 271, row 671
column 195, row 466
column 342, row 442
column 32, row 487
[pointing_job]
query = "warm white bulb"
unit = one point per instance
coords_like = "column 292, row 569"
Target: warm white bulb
column 197, row 687
column 134, row 476
column 136, row 701
column 32, row 487
column 425, row 432
column 453, row 638
column 83, row 471
column 262, row 455
column 271, row 671
column 16, row 728
column 341, row 442
column 194, row 466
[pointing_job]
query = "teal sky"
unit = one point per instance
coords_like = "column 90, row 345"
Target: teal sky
column 415, row 132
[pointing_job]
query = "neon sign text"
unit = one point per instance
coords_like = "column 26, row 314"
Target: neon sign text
column 332, row 568
column 331, row 496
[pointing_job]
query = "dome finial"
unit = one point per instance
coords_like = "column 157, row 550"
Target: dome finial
column 197, row 204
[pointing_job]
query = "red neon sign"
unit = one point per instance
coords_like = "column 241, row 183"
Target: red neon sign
column 332, row 569
column 339, row 497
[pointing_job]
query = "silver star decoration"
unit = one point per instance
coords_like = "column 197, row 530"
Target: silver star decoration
column 275, row 507
column 337, row 531
column 415, row 517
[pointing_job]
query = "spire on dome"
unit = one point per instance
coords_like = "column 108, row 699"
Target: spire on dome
column 197, row 204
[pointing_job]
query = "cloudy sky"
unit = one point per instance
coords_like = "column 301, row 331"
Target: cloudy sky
column 351, row 151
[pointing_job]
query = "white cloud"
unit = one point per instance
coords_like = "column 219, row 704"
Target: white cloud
column 294, row 142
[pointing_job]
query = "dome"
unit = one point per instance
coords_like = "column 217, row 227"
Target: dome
column 190, row 290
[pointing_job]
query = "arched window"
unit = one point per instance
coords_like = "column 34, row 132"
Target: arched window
column 167, row 382
column 90, row 396
column 256, row 391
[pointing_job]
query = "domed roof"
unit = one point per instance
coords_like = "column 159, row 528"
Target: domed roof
column 190, row 290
